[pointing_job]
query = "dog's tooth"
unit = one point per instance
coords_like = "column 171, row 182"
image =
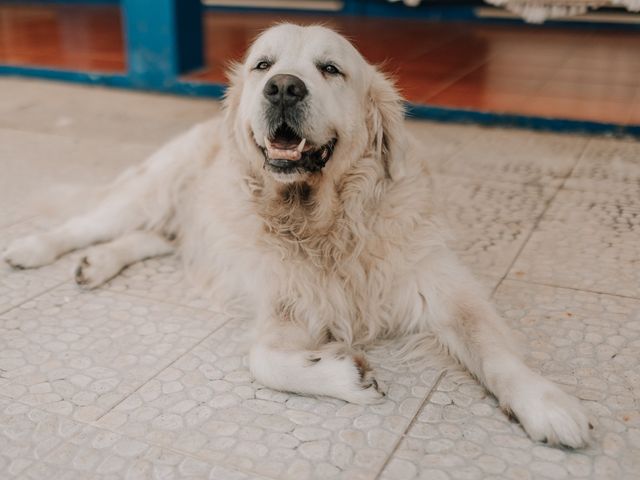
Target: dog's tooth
column 300, row 146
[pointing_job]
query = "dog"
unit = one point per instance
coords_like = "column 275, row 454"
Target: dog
column 308, row 197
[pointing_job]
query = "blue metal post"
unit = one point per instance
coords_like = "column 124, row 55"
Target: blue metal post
column 354, row 7
column 164, row 39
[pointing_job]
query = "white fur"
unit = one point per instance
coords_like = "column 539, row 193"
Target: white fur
column 329, row 262
column 105, row 261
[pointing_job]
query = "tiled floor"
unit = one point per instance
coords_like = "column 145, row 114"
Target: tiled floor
column 572, row 73
column 143, row 379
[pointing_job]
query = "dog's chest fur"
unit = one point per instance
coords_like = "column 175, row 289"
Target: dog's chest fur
column 334, row 265
column 336, row 258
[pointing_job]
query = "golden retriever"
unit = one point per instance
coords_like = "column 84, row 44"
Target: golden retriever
column 308, row 197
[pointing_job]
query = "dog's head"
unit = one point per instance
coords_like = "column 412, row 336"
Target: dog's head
column 305, row 103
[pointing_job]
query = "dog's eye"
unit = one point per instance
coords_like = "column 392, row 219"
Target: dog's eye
column 329, row 69
column 263, row 65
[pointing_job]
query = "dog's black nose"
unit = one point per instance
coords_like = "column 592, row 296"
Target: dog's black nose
column 285, row 89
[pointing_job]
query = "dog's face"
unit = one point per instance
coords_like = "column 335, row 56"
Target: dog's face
column 303, row 100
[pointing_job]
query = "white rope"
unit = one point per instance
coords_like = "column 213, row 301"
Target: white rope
column 537, row 11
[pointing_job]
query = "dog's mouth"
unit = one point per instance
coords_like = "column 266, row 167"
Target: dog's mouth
column 287, row 152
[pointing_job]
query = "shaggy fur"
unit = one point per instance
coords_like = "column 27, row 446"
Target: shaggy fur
column 329, row 261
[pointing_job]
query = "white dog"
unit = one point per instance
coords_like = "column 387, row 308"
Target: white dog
column 308, row 197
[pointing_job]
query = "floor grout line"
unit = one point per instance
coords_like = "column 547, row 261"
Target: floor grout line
column 539, row 218
column 165, row 302
column 37, row 295
column 452, row 80
column 426, row 399
column 162, row 369
column 144, row 382
column 575, row 289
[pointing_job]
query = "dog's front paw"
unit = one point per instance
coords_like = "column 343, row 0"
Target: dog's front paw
column 350, row 376
column 368, row 390
column 96, row 268
column 29, row 252
column 548, row 414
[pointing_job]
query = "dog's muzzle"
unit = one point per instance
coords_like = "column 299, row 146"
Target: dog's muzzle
column 286, row 150
column 285, row 101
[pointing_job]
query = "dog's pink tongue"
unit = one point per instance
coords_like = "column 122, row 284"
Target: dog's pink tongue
column 281, row 152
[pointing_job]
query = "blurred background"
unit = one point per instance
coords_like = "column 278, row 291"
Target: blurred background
column 573, row 68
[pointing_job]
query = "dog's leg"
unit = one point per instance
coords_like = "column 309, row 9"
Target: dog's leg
column 468, row 326
column 138, row 197
column 103, row 262
column 109, row 220
column 285, row 359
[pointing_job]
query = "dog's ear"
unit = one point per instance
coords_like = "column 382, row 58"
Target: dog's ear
column 385, row 122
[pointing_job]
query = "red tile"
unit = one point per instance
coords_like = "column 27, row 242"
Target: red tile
column 634, row 117
column 486, row 80
column 608, row 60
column 77, row 38
column 634, row 111
column 477, row 99
column 590, row 92
column 614, row 76
column 577, row 109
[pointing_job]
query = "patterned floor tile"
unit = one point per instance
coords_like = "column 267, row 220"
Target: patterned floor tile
column 517, row 156
column 207, row 405
column 608, row 165
column 103, row 455
column 587, row 342
column 79, row 353
column 17, row 287
column 586, row 240
column 437, row 142
column 27, row 435
column 39, row 445
column 162, row 279
column 490, row 220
